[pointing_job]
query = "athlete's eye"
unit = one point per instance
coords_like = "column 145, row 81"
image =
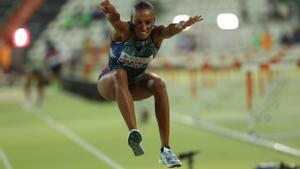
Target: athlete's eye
column 148, row 22
column 139, row 22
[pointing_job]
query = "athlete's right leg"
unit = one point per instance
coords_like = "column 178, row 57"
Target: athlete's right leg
column 40, row 90
column 114, row 86
column 27, row 86
column 27, row 90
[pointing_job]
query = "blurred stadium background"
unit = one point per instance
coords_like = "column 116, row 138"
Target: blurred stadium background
column 234, row 91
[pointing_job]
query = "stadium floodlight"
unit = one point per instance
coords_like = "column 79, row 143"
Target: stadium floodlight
column 228, row 21
column 21, row 38
column 179, row 18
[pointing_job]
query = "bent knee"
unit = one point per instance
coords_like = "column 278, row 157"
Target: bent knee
column 158, row 84
column 120, row 77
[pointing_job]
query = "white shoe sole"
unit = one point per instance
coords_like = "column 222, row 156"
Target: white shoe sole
column 170, row 166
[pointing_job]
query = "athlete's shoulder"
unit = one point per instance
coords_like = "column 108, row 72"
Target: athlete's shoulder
column 157, row 34
column 158, row 29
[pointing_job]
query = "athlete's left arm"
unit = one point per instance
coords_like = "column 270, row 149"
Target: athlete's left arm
column 173, row 29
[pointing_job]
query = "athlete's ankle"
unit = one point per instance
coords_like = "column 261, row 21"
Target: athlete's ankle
column 164, row 148
column 133, row 129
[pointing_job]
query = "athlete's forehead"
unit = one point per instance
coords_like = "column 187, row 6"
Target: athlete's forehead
column 143, row 12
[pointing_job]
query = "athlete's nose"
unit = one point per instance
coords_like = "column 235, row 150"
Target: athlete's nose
column 144, row 27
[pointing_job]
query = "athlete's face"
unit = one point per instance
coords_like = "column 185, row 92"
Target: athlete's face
column 143, row 21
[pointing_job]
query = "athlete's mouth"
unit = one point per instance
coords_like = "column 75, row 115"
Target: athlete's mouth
column 144, row 33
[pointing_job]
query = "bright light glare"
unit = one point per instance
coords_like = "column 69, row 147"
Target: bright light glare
column 21, row 37
column 179, row 18
column 228, row 21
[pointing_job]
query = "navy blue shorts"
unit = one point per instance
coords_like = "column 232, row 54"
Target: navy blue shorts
column 104, row 72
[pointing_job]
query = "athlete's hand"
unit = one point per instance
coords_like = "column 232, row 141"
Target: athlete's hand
column 192, row 20
column 107, row 7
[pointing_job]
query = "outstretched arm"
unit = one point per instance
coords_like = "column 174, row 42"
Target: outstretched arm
column 173, row 29
column 113, row 17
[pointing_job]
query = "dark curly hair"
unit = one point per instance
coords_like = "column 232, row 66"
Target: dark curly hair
column 142, row 5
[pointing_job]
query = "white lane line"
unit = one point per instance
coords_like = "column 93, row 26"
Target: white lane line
column 5, row 160
column 281, row 135
column 75, row 138
column 192, row 122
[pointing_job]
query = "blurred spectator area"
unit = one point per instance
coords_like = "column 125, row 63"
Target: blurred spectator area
column 34, row 14
column 80, row 20
column 6, row 7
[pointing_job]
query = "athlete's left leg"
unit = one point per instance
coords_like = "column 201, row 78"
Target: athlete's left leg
column 149, row 85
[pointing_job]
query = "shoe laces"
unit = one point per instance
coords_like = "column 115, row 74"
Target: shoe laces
column 170, row 156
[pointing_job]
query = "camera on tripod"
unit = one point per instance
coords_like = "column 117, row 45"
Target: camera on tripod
column 188, row 156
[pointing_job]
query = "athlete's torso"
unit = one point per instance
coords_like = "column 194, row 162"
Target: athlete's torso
column 133, row 55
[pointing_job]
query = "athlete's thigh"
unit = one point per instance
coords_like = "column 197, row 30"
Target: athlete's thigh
column 106, row 87
column 140, row 88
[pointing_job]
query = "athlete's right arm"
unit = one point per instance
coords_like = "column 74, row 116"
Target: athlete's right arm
column 113, row 17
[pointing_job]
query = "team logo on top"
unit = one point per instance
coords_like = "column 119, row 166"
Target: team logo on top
column 133, row 61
